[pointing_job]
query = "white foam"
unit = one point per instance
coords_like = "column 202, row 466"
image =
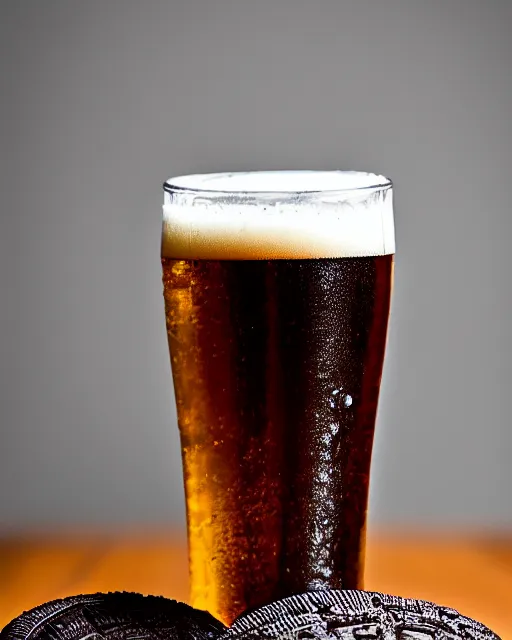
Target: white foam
column 273, row 215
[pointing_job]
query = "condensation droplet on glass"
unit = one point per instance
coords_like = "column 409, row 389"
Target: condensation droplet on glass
column 334, row 401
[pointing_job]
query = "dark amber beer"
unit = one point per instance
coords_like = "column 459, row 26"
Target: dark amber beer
column 277, row 290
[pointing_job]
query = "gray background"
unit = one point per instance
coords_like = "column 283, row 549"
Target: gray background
column 102, row 100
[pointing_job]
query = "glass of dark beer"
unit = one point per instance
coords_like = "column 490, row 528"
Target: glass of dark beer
column 277, row 290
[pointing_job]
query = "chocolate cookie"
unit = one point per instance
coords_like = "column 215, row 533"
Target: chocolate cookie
column 355, row 615
column 113, row 616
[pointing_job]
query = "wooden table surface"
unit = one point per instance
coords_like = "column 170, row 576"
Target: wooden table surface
column 471, row 574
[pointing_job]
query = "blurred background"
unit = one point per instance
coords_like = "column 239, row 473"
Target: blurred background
column 103, row 100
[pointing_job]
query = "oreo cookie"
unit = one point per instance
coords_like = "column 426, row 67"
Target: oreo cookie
column 355, row 615
column 113, row 616
column 322, row 615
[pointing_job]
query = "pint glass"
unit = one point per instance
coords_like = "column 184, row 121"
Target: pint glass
column 277, row 291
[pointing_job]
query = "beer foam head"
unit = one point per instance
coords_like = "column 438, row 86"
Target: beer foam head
column 264, row 215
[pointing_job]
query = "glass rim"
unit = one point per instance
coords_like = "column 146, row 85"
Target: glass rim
column 200, row 184
column 292, row 213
